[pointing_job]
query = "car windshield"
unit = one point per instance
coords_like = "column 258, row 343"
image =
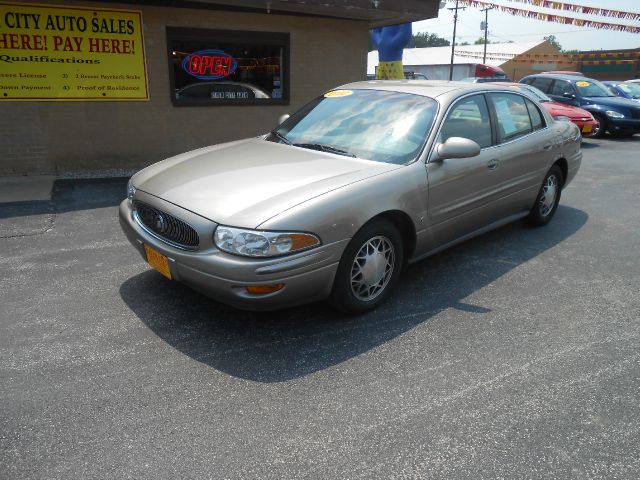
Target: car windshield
column 378, row 125
column 592, row 88
column 632, row 89
column 538, row 94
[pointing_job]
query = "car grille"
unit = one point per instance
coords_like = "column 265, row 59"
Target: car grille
column 635, row 113
column 166, row 226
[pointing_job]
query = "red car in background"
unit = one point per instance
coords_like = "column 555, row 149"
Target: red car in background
column 583, row 119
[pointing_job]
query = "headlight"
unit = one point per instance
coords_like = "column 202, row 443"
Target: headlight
column 562, row 118
column 614, row 114
column 131, row 190
column 256, row 243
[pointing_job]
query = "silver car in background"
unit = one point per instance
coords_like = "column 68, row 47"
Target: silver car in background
column 361, row 180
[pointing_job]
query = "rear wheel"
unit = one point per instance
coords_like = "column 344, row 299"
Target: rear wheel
column 548, row 198
column 369, row 268
column 600, row 129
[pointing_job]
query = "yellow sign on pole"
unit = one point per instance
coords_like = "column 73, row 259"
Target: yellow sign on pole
column 71, row 54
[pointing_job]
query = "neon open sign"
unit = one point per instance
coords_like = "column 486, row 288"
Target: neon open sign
column 209, row 64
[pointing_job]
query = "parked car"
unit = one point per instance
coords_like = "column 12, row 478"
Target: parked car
column 616, row 115
column 415, row 76
column 486, row 79
column 559, row 111
column 565, row 72
column 624, row 89
column 332, row 202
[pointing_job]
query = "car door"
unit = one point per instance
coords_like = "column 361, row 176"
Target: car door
column 563, row 91
column 462, row 191
column 525, row 146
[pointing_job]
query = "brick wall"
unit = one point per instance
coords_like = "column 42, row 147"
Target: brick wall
column 56, row 137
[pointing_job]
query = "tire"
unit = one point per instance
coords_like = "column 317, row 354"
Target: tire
column 548, row 198
column 600, row 129
column 369, row 268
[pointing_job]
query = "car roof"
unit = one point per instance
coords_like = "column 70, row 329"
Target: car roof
column 427, row 88
column 560, row 76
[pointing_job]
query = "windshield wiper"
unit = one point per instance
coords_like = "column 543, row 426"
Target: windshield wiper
column 280, row 137
column 324, row 148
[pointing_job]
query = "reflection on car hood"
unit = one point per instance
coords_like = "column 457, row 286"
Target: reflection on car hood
column 247, row 182
column 612, row 101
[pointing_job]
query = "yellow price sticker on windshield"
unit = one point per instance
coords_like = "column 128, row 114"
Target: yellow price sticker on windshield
column 583, row 84
column 338, row 93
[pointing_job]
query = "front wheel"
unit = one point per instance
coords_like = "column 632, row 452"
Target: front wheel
column 369, row 268
column 599, row 129
column 548, row 198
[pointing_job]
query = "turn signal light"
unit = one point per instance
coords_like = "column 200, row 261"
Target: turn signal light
column 264, row 289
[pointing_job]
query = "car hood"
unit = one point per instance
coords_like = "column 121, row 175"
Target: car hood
column 557, row 108
column 611, row 102
column 247, row 182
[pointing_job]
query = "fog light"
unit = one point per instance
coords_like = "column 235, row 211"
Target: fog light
column 264, row 289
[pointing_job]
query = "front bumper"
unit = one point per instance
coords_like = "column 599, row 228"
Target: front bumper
column 587, row 127
column 623, row 125
column 307, row 276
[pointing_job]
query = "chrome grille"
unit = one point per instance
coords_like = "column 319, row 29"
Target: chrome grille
column 166, row 226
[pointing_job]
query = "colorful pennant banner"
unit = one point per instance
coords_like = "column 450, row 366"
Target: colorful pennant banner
column 552, row 18
column 572, row 7
column 547, row 56
column 557, row 59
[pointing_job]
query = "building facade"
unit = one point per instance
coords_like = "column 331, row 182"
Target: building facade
column 137, row 82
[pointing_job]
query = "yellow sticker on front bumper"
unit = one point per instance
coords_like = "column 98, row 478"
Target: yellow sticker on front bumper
column 158, row 261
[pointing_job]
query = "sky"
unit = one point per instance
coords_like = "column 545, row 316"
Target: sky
column 504, row 27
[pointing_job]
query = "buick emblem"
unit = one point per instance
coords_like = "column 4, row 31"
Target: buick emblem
column 161, row 225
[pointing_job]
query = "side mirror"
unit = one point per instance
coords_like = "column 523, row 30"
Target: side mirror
column 569, row 95
column 282, row 118
column 457, row 147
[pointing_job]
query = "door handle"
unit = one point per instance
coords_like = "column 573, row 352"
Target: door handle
column 493, row 164
column 547, row 147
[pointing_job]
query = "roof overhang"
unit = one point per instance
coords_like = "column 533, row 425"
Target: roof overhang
column 376, row 13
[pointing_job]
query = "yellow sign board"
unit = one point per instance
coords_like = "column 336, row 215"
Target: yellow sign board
column 71, row 53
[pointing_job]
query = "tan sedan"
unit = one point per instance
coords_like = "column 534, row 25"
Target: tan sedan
column 333, row 202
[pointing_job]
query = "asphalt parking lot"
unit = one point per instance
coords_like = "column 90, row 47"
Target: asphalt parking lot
column 513, row 355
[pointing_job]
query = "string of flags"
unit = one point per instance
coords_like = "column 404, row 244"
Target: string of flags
column 572, row 7
column 520, row 12
column 559, row 59
column 547, row 56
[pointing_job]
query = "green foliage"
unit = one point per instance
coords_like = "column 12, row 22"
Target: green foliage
column 480, row 41
column 553, row 41
column 426, row 39
column 421, row 40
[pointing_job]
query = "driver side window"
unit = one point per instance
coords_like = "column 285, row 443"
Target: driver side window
column 469, row 118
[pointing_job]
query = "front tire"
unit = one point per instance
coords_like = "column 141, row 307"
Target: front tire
column 601, row 128
column 369, row 268
column 548, row 198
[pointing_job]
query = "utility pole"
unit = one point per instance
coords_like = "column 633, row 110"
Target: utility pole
column 486, row 31
column 453, row 44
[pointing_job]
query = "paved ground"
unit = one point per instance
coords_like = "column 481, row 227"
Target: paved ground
column 514, row 355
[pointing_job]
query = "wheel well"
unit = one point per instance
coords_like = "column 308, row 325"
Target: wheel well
column 405, row 226
column 562, row 163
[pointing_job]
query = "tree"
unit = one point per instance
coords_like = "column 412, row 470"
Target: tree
column 553, row 41
column 426, row 39
column 421, row 40
column 480, row 41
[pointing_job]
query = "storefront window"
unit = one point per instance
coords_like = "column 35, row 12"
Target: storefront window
column 228, row 67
